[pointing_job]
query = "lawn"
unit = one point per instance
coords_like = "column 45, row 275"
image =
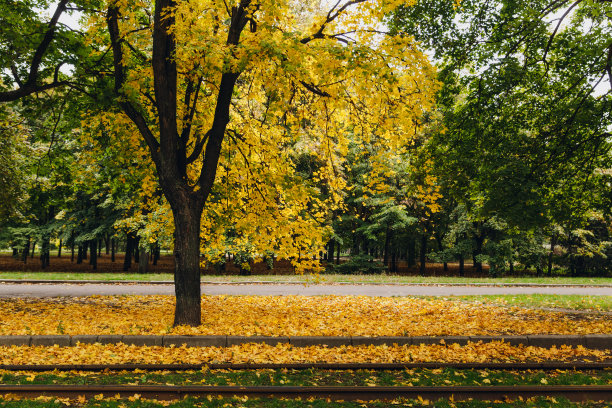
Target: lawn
column 323, row 278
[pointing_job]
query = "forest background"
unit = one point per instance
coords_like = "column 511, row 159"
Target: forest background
column 497, row 153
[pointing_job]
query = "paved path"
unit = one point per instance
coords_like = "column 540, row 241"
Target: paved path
column 53, row 290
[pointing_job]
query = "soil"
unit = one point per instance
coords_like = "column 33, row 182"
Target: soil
column 166, row 265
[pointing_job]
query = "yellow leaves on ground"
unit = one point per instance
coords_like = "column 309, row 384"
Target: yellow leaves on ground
column 287, row 316
column 284, row 353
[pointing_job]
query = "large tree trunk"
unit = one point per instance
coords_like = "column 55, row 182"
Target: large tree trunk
column 187, row 263
column 129, row 249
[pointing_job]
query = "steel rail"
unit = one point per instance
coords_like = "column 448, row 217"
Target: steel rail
column 167, row 392
column 551, row 365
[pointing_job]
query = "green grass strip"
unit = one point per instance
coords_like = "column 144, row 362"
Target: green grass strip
column 313, row 377
column 323, row 278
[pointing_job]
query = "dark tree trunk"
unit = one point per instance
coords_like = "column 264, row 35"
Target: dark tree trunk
column 107, row 240
column 93, row 258
column 33, row 249
column 85, row 247
column 187, row 263
column 129, row 249
column 553, row 242
column 511, row 267
column 423, row 254
column 411, row 252
column 461, row 266
column 99, row 247
column 393, row 267
column 156, row 253
column 59, row 249
column 80, row 255
column 331, row 246
column 387, row 246
column 113, row 243
column 478, row 251
column 26, row 251
column 72, row 251
column 137, row 250
column 338, row 254
column 44, row 252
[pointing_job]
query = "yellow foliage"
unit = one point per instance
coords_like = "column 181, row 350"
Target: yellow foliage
column 286, row 316
column 284, row 353
column 309, row 84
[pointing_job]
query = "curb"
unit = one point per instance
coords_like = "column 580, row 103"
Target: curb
column 132, row 282
column 591, row 341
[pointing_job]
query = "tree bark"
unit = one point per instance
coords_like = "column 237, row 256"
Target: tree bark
column 143, row 260
column 113, row 243
column 26, row 251
column 59, row 249
column 553, row 242
column 461, row 266
column 187, row 263
column 80, row 255
column 129, row 249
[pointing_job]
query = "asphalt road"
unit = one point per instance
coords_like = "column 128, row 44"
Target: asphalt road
column 55, row 290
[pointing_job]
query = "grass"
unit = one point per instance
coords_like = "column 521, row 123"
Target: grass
column 215, row 402
column 313, row 377
column 573, row 302
column 323, row 278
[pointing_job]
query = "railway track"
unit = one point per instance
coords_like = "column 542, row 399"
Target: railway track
column 458, row 393
column 581, row 365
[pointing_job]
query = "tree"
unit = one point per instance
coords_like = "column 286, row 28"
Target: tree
column 269, row 75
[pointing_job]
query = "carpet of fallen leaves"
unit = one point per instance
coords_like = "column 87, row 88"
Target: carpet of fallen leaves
column 288, row 316
column 284, row 353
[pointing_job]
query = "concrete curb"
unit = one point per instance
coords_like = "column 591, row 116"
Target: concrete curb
column 132, row 282
column 591, row 341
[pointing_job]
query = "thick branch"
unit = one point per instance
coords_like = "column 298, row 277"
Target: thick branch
column 30, row 86
column 112, row 19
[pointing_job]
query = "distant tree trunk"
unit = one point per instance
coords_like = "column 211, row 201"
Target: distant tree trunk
column 93, row 258
column 15, row 252
column 44, row 252
column 107, row 240
column 80, row 255
column 461, row 266
column 386, row 248
column 331, row 246
column 129, row 249
column 440, row 248
column 143, row 260
column 33, row 249
column 113, row 243
column 511, row 267
column 85, row 248
column 411, row 255
column 156, row 253
column 99, row 247
column 26, row 251
column 478, row 251
column 553, row 242
column 137, row 249
column 423, row 254
column 393, row 267
column 59, row 249
column 338, row 254
column 72, row 251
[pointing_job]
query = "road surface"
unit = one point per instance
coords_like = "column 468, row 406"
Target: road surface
column 55, row 290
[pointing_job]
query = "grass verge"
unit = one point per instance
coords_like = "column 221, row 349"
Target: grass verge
column 135, row 402
column 312, row 377
column 323, row 278
column 572, row 302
